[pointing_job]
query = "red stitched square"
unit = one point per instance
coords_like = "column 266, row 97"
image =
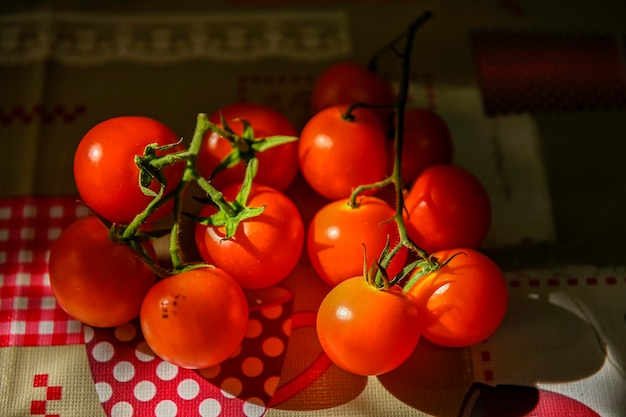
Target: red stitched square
column 38, row 407
column 40, row 380
column 54, row 393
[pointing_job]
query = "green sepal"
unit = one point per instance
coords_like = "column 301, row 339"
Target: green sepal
column 231, row 222
column 191, row 266
column 148, row 172
column 425, row 267
column 272, row 141
column 248, row 132
column 245, row 146
column 252, row 166
column 230, row 160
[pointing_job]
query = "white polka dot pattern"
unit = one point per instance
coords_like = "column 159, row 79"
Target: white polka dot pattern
column 131, row 381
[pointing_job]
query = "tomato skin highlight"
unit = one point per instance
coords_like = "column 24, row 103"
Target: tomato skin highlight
column 265, row 248
column 96, row 281
column 278, row 166
column 365, row 330
column 338, row 234
column 105, row 173
column 464, row 302
column 348, row 82
column 337, row 155
column 195, row 319
column 447, row 207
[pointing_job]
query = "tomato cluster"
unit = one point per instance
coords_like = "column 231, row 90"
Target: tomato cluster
column 400, row 265
column 452, row 294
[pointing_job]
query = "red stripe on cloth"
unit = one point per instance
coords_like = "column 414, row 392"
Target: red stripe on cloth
column 29, row 314
column 311, row 373
column 302, row 381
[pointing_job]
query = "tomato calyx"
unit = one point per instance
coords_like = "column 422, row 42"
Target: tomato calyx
column 376, row 275
column 116, row 234
column 425, row 267
column 237, row 211
column 151, row 166
column 246, row 145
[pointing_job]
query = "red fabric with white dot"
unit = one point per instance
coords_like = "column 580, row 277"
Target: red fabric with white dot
column 129, row 379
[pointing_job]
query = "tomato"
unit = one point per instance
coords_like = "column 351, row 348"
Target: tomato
column 264, row 249
column 365, row 330
column 195, row 319
column 426, row 141
column 338, row 233
column 97, row 281
column 462, row 303
column 337, row 154
column 447, row 207
column 278, row 166
column 105, row 173
column 348, row 82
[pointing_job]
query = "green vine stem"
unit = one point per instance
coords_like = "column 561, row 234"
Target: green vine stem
column 376, row 275
column 400, row 107
column 229, row 214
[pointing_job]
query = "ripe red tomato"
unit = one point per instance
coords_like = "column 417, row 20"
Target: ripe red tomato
column 96, row 281
column 195, row 319
column 349, row 82
column 278, row 166
column 337, row 154
column 426, row 141
column 338, row 231
column 265, row 248
column 462, row 303
column 365, row 330
column 105, row 173
column 447, row 207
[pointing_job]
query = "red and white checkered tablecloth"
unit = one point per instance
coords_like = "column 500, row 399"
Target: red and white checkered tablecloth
column 29, row 314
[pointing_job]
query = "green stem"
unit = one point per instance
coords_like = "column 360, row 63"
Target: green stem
column 372, row 64
column 191, row 174
column 148, row 260
column 348, row 116
column 425, row 268
column 396, row 178
column 134, row 226
column 364, row 187
column 174, row 246
column 400, row 107
column 189, row 156
column 203, row 125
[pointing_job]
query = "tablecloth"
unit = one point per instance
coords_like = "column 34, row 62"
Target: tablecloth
column 66, row 65
column 560, row 351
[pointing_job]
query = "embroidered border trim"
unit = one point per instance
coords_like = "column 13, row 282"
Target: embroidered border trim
column 94, row 39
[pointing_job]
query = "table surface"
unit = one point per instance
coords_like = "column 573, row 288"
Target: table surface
column 555, row 177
